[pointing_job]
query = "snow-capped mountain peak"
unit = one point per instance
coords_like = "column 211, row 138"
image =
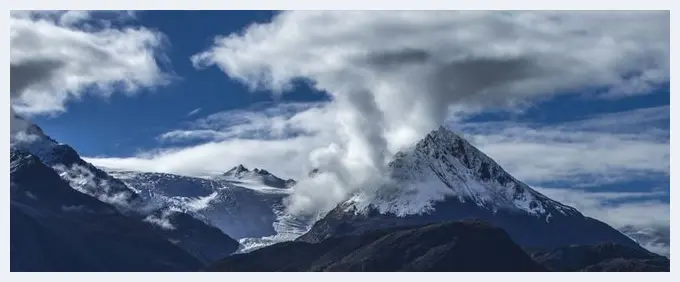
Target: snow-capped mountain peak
column 445, row 178
column 237, row 171
column 444, row 165
column 241, row 174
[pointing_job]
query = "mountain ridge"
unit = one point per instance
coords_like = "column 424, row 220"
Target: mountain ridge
column 241, row 174
column 57, row 228
column 205, row 242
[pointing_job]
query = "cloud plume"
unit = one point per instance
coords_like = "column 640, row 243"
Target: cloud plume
column 395, row 75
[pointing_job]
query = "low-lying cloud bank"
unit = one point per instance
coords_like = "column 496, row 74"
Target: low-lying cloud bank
column 641, row 215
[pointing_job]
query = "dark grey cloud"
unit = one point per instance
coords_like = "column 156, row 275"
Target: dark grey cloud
column 56, row 55
column 32, row 72
column 397, row 58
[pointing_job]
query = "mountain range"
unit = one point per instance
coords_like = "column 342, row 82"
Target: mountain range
column 68, row 215
column 51, row 183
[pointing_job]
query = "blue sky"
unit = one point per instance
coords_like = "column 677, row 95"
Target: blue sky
column 154, row 112
column 581, row 113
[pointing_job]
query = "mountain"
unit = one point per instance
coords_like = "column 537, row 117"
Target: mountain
column 451, row 246
column 472, row 185
column 56, row 228
column 82, row 175
column 241, row 175
column 601, row 257
column 243, row 211
column 205, row 242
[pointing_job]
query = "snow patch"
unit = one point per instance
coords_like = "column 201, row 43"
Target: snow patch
column 287, row 227
column 201, row 203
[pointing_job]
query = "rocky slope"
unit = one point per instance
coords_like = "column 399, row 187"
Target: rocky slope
column 56, row 228
column 245, row 208
column 205, row 242
column 241, row 212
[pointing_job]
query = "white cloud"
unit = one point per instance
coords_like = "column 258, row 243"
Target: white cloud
column 162, row 220
column 285, row 158
column 271, row 122
column 194, row 111
column 56, row 57
column 394, row 75
column 634, row 213
column 600, row 149
column 619, row 209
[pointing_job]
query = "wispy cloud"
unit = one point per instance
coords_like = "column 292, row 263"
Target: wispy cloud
column 634, row 213
column 600, row 149
column 194, row 111
column 619, row 209
column 281, row 121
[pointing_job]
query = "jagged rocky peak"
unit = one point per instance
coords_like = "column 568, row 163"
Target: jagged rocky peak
column 443, row 146
column 236, row 171
column 20, row 158
column 241, row 173
column 239, row 168
column 443, row 140
column 261, row 171
column 21, row 124
column 27, row 135
column 471, row 174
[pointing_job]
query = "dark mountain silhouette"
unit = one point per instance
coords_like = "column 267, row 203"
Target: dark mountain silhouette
column 601, row 257
column 454, row 246
column 56, row 228
column 205, row 242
